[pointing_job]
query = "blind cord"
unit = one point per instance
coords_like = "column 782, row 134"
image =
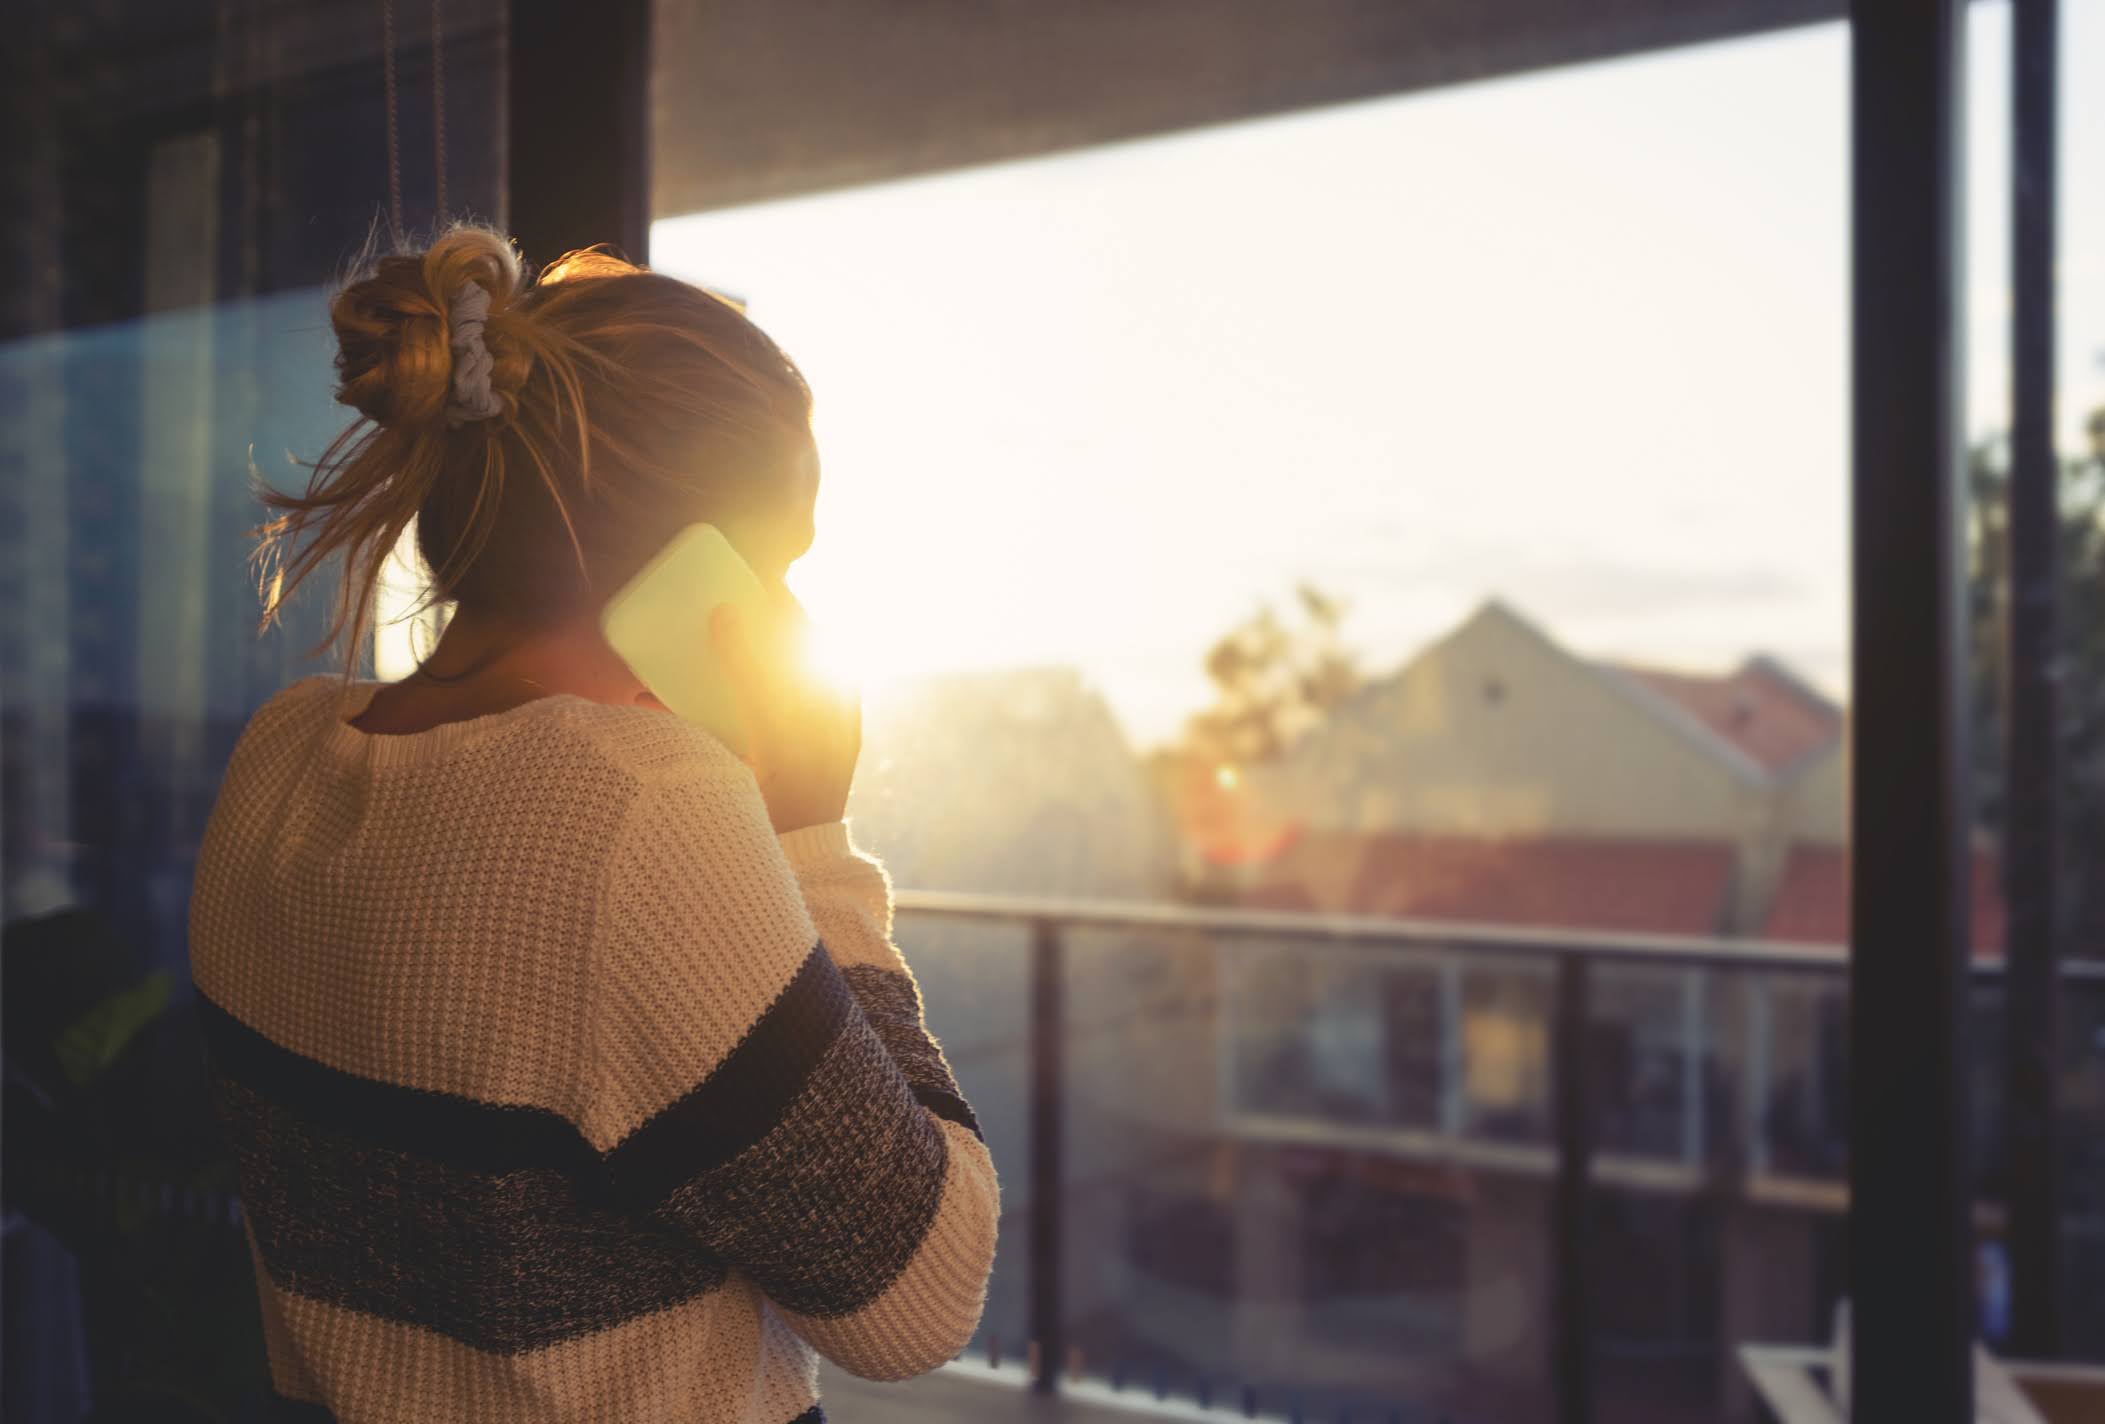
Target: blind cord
column 438, row 104
column 394, row 147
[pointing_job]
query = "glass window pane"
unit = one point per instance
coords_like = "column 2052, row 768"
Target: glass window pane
column 2080, row 437
column 2079, row 399
column 1429, row 511
column 183, row 183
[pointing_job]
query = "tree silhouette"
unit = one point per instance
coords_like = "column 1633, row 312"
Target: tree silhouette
column 1273, row 679
column 2080, row 659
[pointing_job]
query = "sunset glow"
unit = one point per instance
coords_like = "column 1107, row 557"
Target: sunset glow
column 1091, row 409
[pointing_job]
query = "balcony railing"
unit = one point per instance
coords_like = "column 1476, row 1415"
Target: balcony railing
column 1728, row 1059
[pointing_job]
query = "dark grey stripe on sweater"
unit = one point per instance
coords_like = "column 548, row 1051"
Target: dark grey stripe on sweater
column 506, row 1262
column 742, row 1099
column 804, row 1157
column 826, row 1210
column 893, row 1004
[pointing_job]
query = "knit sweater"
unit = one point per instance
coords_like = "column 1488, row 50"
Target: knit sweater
column 560, row 1087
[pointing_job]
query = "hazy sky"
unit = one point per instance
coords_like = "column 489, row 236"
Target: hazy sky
column 1577, row 339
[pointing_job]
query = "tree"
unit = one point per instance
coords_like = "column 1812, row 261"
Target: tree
column 2080, row 612
column 1275, row 675
column 1272, row 680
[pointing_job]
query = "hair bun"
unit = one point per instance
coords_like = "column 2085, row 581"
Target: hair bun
column 395, row 353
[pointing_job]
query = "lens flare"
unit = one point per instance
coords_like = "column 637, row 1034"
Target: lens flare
column 834, row 659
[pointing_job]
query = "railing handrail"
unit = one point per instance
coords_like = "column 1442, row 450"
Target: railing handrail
column 1569, row 953
column 1339, row 931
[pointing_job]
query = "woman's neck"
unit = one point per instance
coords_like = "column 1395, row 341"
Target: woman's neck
column 483, row 665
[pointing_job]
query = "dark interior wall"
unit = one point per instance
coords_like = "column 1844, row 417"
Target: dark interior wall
column 292, row 100
column 180, row 180
column 754, row 99
column 749, row 100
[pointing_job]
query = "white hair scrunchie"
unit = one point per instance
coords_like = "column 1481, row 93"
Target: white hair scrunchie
column 472, row 397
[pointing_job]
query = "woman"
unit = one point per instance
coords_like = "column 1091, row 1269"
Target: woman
column 570, row 1069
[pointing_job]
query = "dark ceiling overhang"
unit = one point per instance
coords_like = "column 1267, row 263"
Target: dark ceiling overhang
column 758, row 99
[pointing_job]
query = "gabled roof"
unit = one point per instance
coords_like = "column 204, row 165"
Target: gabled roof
column 1762, row 709
column 1786, row 722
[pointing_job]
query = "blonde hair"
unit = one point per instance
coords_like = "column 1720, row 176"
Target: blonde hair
column 629, row 404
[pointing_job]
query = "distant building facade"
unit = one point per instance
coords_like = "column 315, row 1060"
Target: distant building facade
column 1336, row 1169
column 1499, row 777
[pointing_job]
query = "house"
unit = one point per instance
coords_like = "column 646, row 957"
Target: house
column 1500, row 777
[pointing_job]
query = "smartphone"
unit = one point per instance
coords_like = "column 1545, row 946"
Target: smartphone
column 659, row 624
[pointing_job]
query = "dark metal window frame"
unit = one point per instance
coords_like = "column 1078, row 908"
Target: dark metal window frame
column 1910, row 1234
column 578, row 136
column 2032, row 845
column 1911, row 1239
column 579, row 170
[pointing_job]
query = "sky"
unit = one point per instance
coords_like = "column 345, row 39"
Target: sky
column 1578, row 340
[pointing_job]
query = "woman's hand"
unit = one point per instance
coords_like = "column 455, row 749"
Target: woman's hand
column 802, row 738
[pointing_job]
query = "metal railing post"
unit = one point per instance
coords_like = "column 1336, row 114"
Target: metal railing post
column 1571, row 1332
column 1695, row 1067
column 1756, row 1103
column 1048, row 986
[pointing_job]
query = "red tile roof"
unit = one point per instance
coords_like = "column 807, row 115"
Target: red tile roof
column 1761, row 710
column 1659, row 887
column 1811, row 904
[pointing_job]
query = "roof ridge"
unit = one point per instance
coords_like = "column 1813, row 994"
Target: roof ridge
column 1626, row 680
column 1788, row 678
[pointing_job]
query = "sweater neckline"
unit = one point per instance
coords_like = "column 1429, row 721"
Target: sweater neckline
column 345, row 743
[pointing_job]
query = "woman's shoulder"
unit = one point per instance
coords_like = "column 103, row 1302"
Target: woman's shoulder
column 306, row 693
column 557, row 749
column 674, row 779
column 648, row 744
column 292, row 709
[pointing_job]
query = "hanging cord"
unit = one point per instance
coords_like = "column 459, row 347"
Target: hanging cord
column 438, row 115
column 438, row 103
column 394, row 147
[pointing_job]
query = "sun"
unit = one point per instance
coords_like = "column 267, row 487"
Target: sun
column 835, row 657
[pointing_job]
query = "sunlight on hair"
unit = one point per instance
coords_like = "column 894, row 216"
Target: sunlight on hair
column 402, row 634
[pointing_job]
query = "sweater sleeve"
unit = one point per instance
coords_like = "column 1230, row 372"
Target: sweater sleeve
column 744, row 1094
column 850, row 899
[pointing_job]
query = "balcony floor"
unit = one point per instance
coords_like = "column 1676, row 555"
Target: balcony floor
column 969, row 1393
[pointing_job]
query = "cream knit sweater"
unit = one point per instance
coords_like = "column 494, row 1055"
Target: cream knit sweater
column 561, row 1088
